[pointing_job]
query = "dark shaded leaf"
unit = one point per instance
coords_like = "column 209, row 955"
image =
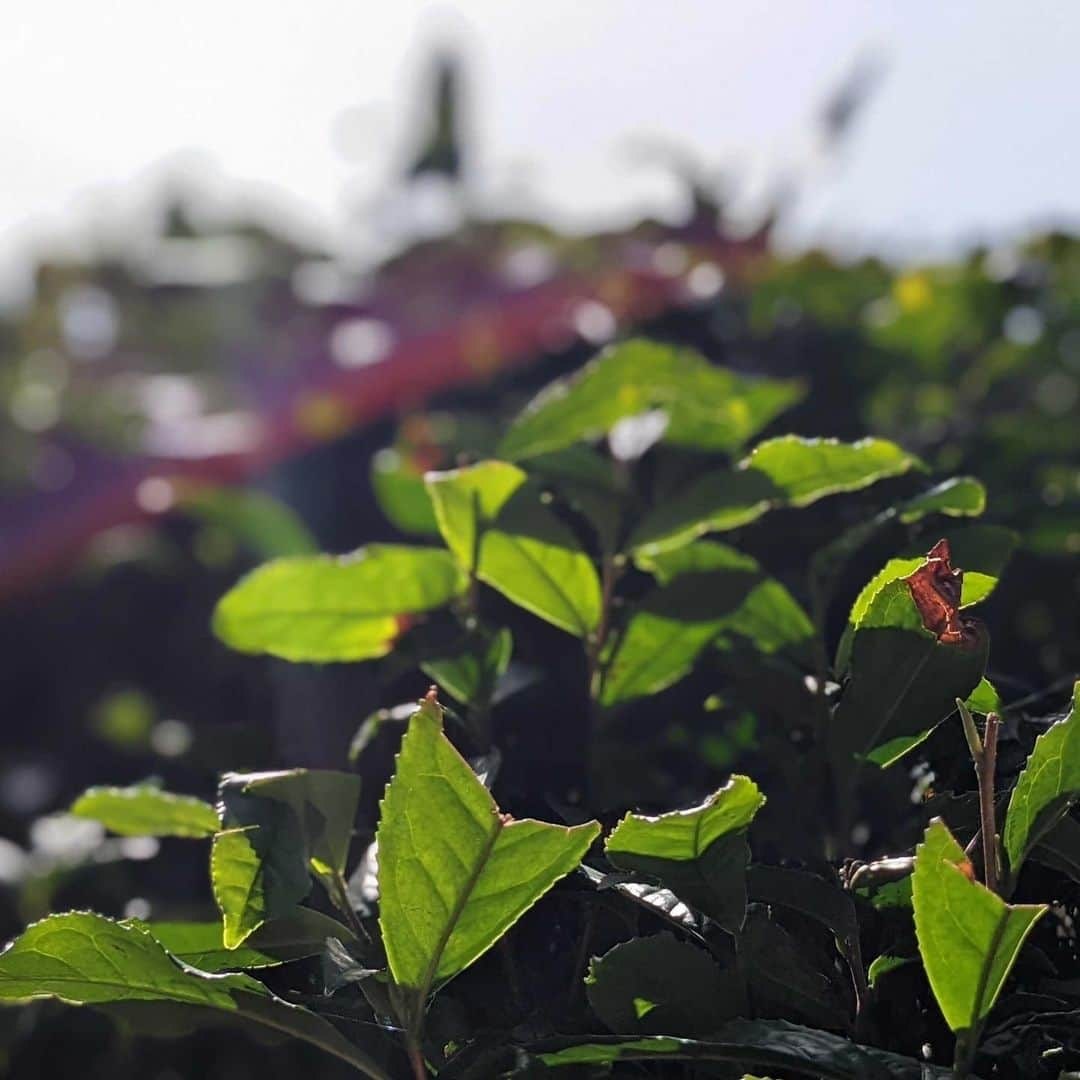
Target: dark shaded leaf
column 658, row 985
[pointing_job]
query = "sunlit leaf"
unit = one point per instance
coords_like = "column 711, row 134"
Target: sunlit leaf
column 968, row 936
column 495, row 521
column 85, row 959
column 200, row 944
column 787, row 471
column 700, row 853
column 960, row 496
column 401, row 493
column 982, row 551
column 1048, row 786
column 324, row 608
column 144, row 810
column 277, row 829
column 707, row 407
column 449, row 890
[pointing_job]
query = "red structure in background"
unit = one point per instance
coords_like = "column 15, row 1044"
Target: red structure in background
column 445, row 314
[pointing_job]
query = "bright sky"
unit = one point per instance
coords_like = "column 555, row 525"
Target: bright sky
column 971, row 134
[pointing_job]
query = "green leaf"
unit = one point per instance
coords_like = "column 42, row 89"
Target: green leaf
column 144, row 810
column 709, row 591
column 323, row 802
column 960, row 496
column 767, row 1044
column 85, row 959
column 982, row 551
column 491, row 516
column 658, row 985
column 401, row 493
column 470, row 673
column 883, row 964
column 806, row 470
column 1048, row 786
column 708, row 408
column 903, row 681
column 201, row 944
column 262, row 524
column 1060, row 848
column 451, row 888
column 587, row 483
column 781, row 977
column 968, row 936
column 823, row 901
column 984, row 698
column 258, row 872
column 278, row 828
column 325, row 608
column 788, row 471
column 699, row 854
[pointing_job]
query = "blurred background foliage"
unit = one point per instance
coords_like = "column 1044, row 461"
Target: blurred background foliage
column 221, row 392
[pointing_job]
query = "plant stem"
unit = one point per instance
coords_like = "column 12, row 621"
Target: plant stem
column 986, row 803
column 594, row 648
column 416, row 1060
column 964, row 1054
column 984, row 757
column 339, row 894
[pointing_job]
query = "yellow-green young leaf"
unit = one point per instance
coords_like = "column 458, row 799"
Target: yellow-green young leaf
column 496, row 523
column 467, row 501
column 1048, row 786
column 788, row 471
column 144, row 810
column 85, row 959
column 968, row 936
column 699, row 854
column 201, row 944
column 324, row 608
column 707, row 407
column 984, row 698
column 455, row 873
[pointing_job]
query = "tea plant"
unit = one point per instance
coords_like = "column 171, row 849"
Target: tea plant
column 726, row 934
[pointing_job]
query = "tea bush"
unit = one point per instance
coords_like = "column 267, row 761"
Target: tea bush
column 453, row 933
